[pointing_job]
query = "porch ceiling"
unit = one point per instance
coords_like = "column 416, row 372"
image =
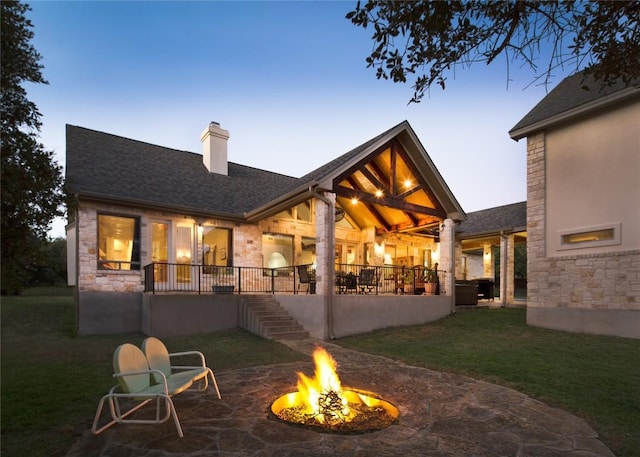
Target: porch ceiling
column 385, row 190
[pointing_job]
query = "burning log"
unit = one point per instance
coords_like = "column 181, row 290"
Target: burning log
column 321, row 403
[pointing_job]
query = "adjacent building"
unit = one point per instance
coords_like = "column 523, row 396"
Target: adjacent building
column 583, row 207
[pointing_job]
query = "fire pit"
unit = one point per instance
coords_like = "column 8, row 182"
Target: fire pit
column 322, row 404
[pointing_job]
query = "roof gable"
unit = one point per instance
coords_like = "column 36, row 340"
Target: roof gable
column 402, row 136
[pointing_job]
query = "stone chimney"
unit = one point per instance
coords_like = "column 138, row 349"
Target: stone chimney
column 214, row 149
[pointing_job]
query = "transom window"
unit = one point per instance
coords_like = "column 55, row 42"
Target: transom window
column 603, row 235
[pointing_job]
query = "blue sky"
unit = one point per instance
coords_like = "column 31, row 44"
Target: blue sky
column 287, row 79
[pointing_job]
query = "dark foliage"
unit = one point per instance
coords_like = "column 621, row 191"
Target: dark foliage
column 31, row 180
column 426, row 40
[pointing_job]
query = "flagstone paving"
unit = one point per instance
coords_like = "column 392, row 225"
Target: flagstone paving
column 440, row 415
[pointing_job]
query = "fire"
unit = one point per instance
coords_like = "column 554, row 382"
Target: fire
column 321, row 402
column 322, row 394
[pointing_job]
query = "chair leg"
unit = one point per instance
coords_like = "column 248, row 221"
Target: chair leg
column 215, row 384
column 169, row 404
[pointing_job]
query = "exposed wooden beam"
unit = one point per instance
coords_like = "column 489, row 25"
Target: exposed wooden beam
column 392, row 202
column 374, row 212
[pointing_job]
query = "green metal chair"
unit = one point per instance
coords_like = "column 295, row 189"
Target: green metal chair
column 159, row 359
column 131, row 370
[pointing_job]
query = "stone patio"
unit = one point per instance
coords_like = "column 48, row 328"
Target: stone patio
column 440, row 415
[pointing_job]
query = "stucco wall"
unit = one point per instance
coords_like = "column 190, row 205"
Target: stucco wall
column 105, row 313
column 356, row 314
column 593, row 179
column 179, row 315
column 585, row 175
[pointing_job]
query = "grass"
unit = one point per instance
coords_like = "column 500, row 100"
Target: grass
column 52, row 379
column 594, row 377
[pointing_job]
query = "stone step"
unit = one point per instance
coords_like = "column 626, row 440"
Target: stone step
column 293, row 335
column 265, row 317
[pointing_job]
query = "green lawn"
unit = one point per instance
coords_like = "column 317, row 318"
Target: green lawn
column 595, row 377
column 52, row 380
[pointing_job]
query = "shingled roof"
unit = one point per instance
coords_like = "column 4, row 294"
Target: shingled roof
column 112, row 168
column 105, row 166
column 491, row 221
column 574, row 96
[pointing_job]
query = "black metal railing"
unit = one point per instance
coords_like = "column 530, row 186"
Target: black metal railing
column 349, row 278
column 387, row 279
column 172, row 277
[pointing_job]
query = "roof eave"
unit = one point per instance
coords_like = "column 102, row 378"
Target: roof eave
column 131, row 202
column 568, row 115
column 285, row 201
column 488, row 233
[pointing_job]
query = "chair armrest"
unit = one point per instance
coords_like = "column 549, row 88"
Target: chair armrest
column 197, row 353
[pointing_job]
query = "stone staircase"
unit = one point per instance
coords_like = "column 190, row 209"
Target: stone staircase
column 262, row 315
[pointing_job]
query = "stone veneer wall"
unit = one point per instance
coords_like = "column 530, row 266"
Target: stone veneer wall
column 90, row 279
column 595, row 293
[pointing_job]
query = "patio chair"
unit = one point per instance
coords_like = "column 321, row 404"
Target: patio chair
column 159, row 359
column 132, row 372
column 306, row 278
column 367, row 280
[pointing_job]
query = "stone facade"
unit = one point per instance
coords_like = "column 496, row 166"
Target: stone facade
column 90, row 278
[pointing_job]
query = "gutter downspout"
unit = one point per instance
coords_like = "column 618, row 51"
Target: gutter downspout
column 330, row 275
column 76, row 291
column 504, row 267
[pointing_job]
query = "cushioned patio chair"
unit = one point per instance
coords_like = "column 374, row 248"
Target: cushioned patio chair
column 132, row 372
column 159, row 359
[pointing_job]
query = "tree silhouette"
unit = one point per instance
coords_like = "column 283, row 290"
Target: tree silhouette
column 426, row 40
column 31, row 180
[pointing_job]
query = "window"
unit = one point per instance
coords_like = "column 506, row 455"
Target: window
column 300, row 212
column 118, row 242
column 217, row 248
column 308, row 251
column 303, row 211
column 604, row 235
column 277, row 250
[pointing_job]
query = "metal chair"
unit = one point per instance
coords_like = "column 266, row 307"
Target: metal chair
column 131, row 370
column 367, row 280
column 160, row 359
column 306, row 278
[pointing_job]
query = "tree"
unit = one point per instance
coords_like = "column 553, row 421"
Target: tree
column 427, row 39
column 32, row 193
column 52, row 271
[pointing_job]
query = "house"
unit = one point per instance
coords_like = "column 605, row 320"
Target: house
column 153, row 231
column 491, row 245
column 583, row 207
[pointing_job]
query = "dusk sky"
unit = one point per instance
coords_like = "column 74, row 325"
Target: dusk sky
column 287, row 79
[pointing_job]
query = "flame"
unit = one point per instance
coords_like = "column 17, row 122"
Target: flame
column 323, row 395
